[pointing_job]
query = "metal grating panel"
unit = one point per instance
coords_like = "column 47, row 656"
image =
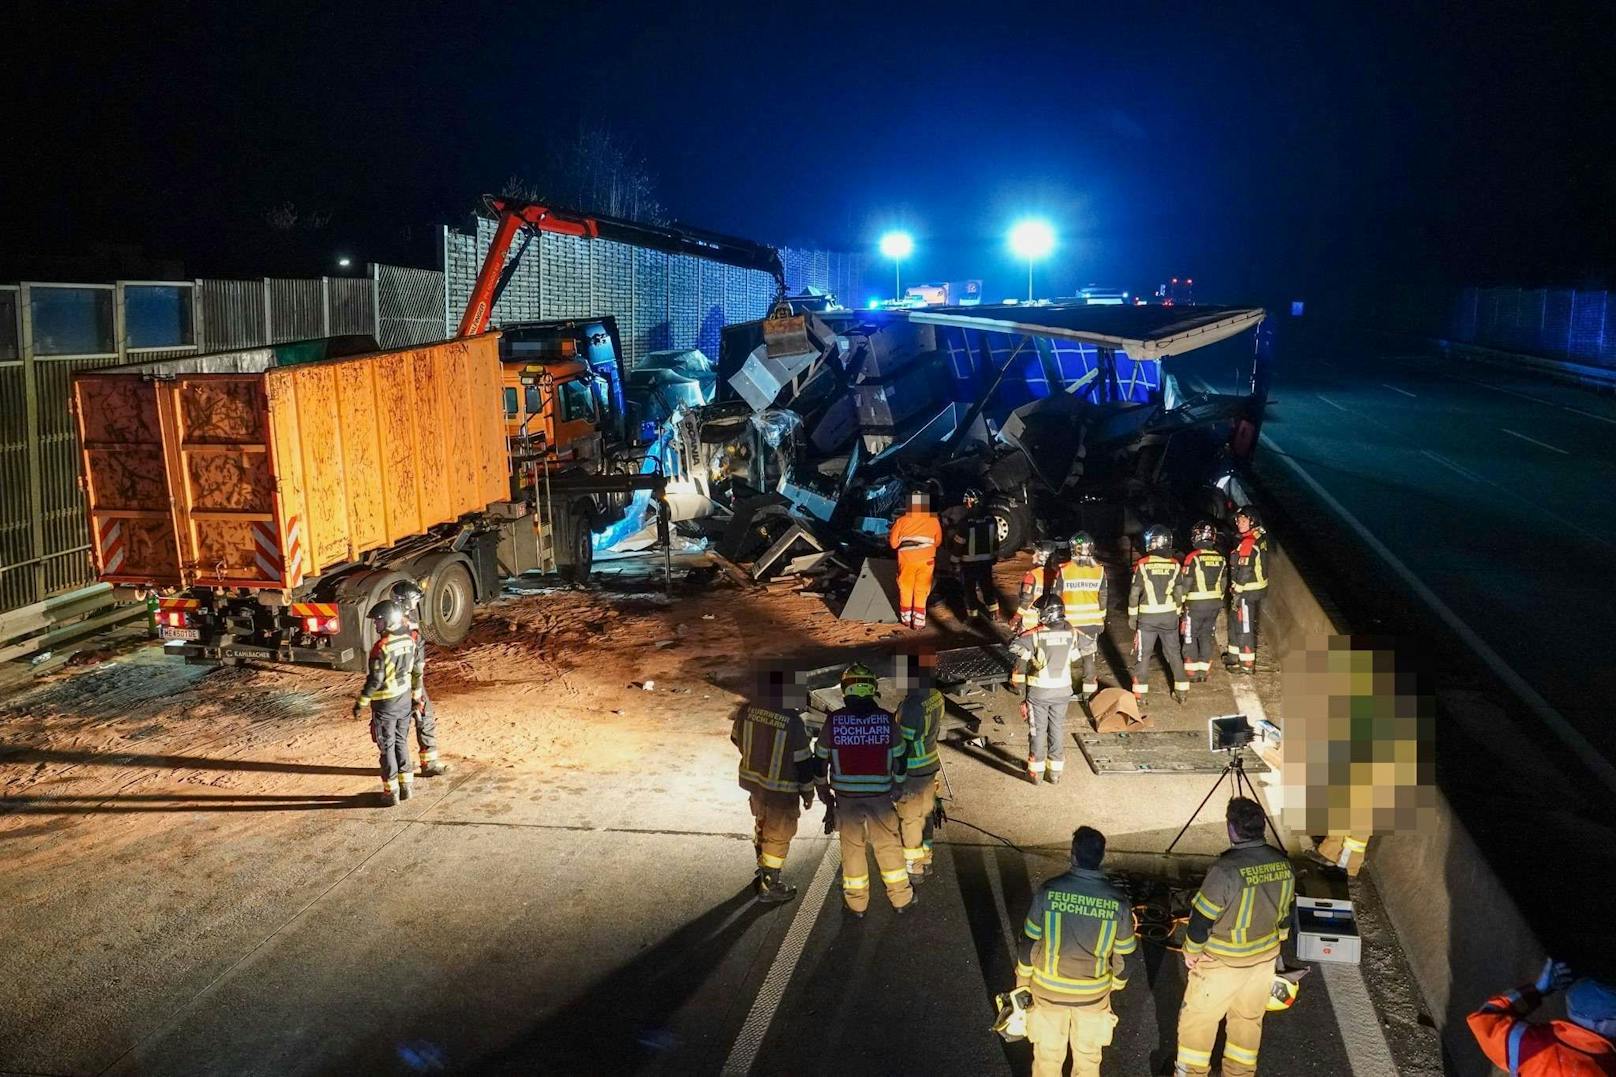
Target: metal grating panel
column 232, row 314
column 410, row 303
column 296, row 309
column 349, row 301
column 16, row 530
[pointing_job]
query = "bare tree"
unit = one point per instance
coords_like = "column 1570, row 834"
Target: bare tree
column 286, row 217
column 596, row 172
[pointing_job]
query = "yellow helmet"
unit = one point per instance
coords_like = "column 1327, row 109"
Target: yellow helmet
column 1282, row 993
column 858, row 682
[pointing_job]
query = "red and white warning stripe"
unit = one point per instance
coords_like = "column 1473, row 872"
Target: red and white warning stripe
column 294, row 552
column 112, row 547
column 267, row 551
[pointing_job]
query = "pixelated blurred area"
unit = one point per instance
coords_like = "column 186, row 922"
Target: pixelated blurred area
column 1357, row 755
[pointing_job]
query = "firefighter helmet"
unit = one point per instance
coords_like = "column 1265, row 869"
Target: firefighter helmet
column 858, row 682
column 1082, row 544
column 1042, row 551
column 408, row 595
column 1203, row 533
column 1051, row 609
column 971, row 498
column 1158, row 539
column 1283, row 991
column 1011, row 1021
column 387, row 616
column 1250, row 513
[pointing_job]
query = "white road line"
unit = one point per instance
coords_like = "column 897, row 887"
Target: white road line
column 1395, row 389
column 743, row 1053
column 1589, row 414
column 1534, row 441
column 1332, row 403
column 1534, row 399
column 1553, row 719
column 1445, row 462
column 990, row 867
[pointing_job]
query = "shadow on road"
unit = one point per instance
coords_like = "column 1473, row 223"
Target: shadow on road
column 23, row 756
column 176, row 802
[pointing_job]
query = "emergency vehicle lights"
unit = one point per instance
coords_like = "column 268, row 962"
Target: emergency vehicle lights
column 322, row 626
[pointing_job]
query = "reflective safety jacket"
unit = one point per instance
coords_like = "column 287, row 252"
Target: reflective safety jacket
column 1206, row 575
column 921, row 716
column 395, row 667
column 1045, row 659
column 1034, row 583
column 975, row 538
column 1077, row 934
column 1158, row 587
column 1084, row 593
column 1242, row 911
column 1551, row 1049
column 916, row 535
column 776, row 756
column 860, row 750
column 1248, row 564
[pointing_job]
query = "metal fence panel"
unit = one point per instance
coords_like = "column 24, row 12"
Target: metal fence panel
column 409, row 305
column 16, row 504
column 296, row 309
column 349, row 305
column 232, row 314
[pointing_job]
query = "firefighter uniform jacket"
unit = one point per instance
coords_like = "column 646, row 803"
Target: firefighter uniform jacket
column 1248, row 564
column 921, row 716
column 1206, row 574
column 396, row 666
column 975, row 539
column 1078, row 933
column 1034, row 583
column 1552, row 1049
column 1084, row 594
column 1246, row 899
column 861, row 750
column 1045, row 660
column 1158, row 588
column 776, row 756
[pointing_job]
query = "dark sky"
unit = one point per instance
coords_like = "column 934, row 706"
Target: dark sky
column 1265, row 150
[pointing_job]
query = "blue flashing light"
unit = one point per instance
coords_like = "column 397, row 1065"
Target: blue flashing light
column 875, row 304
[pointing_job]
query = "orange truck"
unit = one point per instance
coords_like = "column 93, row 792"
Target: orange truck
column 270, row 496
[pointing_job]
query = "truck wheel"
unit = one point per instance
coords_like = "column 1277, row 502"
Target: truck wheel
column 1011, row 525
column 576, row 556
column 446, row 610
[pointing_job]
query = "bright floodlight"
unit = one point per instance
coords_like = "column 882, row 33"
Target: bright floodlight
column 345, row 261
column 1032, row 240
column 898, row 245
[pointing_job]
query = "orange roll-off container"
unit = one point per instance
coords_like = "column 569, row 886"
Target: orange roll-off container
column 260, row 469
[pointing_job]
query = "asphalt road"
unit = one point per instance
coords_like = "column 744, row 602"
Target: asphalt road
column 1494, row 488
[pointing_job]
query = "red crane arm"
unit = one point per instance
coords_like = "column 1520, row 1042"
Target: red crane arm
column 514, row 216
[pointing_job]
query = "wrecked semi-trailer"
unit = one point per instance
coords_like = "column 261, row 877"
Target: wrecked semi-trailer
column 1064, row 415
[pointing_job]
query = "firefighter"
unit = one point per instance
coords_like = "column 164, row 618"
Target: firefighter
column 407, row 595
column 1153, row 605
column 777, row 771
column 860, row 760
column 1248, row 583
column 1035, row 582
column 1085, row 594
column 1206, row 573
column 393, row 690
column 1072, row 956
column 1585, row 1044
column 974, row 541
column 916, row 536
column 1238, row 919
column 920, row 715
column 1044, row 667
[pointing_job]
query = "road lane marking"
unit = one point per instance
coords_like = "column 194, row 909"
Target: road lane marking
column 1589, row 414
column 1534, row 441
column 1395, row 389
column 1445, row 462
column 1534, row 399
column 1332, row 403
column 1580, row 745
column 744, row 1051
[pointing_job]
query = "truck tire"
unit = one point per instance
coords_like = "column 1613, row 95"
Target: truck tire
column 447, row 607
column 575, row 553
column 1012, row 524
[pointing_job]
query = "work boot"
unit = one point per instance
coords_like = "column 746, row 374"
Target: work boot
column 1180, row 697
column 1230, row 662
column 1052, row 777
column 852, row 913
column 404, row 790
column 914, row 899
column 433, row 767
column 1032, row 777
column 916, row 878
column 772, row 890
column 388, row 797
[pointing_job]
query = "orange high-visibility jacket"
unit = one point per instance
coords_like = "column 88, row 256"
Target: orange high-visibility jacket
column 916, row 536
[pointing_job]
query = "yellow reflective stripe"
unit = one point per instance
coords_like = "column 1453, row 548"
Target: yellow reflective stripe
column 1235, row 1053
column 1126, row 946
column 1193, row 947
column 855, row 882
column 896, row 875
column 1227, row 948
column 769, row 860
column 1191, row 1056
column 1102, row 948
column 1023, row 970
column 1203, row 905
column 1033, row 930
column 1355, row 844
column 1052, row 934
column 1242, row 916
column 1064, row 986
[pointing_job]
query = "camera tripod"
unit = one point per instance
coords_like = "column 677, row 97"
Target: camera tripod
column 1240, row 785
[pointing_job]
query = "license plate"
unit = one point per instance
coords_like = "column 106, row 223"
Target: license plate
column 179, row 633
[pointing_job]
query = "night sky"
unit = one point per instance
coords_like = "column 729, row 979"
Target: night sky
column 1316, row 149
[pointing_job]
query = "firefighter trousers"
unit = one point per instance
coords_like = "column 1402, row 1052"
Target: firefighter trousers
column 1054, row 1028
column 1088, row 646
column 1244, row 612
column 774, row 824
column 915, row 569
column 426, row 730
column 390, row 729
column 1200, row 635
column 914, row 806
column 1219, row 990
column 981, row 597
column 1046, row 731
column 870, row 824
column 1154, row 630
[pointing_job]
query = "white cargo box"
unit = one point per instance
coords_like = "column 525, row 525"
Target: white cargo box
column 1326, row 930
